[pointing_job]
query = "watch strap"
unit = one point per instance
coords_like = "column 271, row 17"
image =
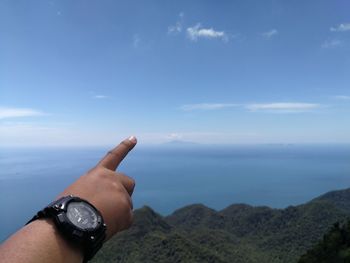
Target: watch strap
column 45, row 213
column 90, row 246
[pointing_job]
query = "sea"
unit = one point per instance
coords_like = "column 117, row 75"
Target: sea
column 172, row 176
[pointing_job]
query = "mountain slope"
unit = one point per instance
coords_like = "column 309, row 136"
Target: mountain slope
column 238, row 233
column 334, row 247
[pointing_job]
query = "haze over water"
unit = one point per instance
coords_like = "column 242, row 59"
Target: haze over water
column 169, row 177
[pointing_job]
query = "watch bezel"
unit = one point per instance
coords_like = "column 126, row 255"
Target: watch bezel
column 97, row 218
column 71, row 230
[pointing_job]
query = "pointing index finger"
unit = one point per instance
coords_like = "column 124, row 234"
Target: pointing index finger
column 116, row 156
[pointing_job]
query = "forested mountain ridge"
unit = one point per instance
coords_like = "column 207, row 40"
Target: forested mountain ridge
column 334, row 247
column 238, row 233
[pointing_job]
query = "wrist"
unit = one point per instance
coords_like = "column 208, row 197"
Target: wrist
column 39, row 241
column 47, row 227
column 78, row 222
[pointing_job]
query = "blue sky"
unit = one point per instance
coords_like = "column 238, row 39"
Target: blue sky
column 93, row 72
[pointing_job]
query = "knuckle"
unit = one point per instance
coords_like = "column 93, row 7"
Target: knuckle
column 102, row 175
column 97, row 169
column 125, row 202
column 116, row 153
column 132, row 182
column 100, row 171
column 128, row 181
column 120, row 174
column 117, row 187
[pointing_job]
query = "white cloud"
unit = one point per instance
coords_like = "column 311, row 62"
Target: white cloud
column 202, row 137
column 342, row 97
column 280, row 107
column 207, row 106
column 269, row 33
column 136, row 40
column 6, row 113
column 177, row 28
column 341, row 28
column 29, row 134
column 174, row 136
column 283, row 107
column 332, row 43
column 57, row 134
column 197, row 31
column 100, row 97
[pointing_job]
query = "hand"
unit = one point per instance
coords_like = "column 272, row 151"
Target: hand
column 109, row 191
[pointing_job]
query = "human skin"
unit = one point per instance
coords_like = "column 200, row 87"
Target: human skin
column 109, row 191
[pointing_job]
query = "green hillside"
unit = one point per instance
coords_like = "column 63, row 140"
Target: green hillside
column 238, row 233
column 334, row 247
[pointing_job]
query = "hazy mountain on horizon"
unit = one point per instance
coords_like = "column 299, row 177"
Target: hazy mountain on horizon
column 181, row 142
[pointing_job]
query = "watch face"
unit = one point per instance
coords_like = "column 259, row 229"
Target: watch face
column 82, row 215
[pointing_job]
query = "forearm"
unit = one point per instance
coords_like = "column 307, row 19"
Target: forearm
column 39, row 242
column 107, row 201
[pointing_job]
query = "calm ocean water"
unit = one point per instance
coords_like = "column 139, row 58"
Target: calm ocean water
column 171, row 177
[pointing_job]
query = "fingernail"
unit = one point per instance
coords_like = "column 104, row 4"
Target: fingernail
column 132, row 139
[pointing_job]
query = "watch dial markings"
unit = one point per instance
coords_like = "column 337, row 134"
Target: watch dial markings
column 82, row 215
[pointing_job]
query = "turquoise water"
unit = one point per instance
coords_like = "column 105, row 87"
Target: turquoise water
column 171, row 177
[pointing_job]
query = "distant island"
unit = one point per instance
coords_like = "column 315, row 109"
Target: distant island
column 239, row 233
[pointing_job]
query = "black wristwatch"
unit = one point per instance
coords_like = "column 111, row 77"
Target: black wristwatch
column 78, row 221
